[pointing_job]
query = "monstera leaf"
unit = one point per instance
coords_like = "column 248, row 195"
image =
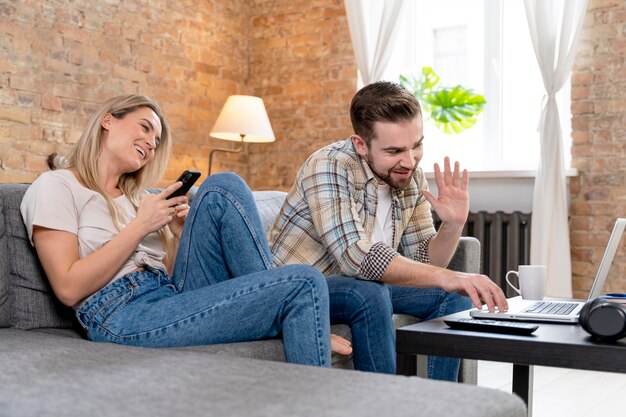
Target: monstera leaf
column 452, row 109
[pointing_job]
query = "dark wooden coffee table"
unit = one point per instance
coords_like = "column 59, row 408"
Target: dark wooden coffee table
column 557, row 345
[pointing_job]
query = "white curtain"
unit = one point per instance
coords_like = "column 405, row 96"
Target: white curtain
column 371, row 65
column 555, row 27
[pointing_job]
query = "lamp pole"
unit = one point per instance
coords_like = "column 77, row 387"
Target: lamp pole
column 241, row 135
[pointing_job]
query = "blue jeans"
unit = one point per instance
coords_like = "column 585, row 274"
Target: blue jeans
column 223, row 289
column 367, row 307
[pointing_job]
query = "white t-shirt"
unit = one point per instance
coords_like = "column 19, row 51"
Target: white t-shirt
column 56, row 200
column 383, row 225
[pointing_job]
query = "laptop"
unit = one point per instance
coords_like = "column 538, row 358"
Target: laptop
column 554, row 310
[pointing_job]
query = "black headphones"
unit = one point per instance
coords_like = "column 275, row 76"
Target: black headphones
column 603, row 320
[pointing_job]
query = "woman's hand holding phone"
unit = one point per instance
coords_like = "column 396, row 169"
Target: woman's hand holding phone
column 155, row 210
column 187, row 179
column 169, row 207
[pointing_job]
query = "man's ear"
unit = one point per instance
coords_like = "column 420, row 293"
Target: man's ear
column 359, row 145
column 106, row 121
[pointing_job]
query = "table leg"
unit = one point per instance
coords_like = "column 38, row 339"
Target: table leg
column 523, row 384
column 406, row 364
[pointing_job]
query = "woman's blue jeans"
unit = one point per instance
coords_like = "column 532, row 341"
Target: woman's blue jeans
column 367, row 307
column 223, row 290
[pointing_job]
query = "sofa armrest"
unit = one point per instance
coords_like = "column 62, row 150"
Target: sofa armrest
column 467, row 259
column 467, row 256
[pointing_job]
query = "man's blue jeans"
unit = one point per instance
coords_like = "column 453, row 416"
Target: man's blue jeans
column 367, row 307
column 223, row 290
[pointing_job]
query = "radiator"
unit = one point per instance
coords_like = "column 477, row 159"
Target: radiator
column 504, row 242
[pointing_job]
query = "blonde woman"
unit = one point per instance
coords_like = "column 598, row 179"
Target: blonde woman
column 141, row 269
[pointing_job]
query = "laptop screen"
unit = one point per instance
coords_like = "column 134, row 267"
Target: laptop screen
column 607, row 258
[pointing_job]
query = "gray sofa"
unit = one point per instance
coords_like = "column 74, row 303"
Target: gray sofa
column 48, row 368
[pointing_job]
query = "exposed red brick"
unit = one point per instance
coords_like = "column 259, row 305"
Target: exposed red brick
column 51, row 103
column 599, row 194
column 66, row 58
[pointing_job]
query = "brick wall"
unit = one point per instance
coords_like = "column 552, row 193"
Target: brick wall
column 302, row 64
column 58, row 60
column 598, row 194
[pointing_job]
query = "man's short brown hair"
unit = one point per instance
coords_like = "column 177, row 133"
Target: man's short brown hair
column 382, row 101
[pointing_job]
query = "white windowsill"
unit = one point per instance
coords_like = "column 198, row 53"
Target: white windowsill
column 506, row 191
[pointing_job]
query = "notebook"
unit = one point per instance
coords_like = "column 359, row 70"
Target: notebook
column 555, row 310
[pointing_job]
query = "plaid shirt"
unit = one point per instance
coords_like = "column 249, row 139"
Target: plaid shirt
column 328, row 217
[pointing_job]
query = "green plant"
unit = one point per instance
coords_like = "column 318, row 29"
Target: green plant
column 452, row 109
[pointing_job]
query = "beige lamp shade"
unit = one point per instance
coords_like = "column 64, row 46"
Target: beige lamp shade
column 243, row 118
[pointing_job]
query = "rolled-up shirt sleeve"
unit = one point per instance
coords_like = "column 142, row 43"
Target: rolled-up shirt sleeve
column 376, row 261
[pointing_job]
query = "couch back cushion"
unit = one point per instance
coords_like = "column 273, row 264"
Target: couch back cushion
column 5, row 318
column 31, row 301
column 26, row 298
column 269, row 204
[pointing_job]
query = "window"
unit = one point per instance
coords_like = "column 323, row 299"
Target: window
column 483, row 45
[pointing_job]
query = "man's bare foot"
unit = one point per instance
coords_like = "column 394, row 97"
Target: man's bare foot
column 340, row 345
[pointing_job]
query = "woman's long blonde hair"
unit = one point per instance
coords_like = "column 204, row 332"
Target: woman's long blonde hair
column 84, row 158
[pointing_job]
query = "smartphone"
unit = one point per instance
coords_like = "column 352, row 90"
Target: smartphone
column 188, row 178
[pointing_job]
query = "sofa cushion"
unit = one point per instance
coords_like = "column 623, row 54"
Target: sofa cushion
column 269, row 204
column 59, row 376
column 266, row 349
column 32, row 302
column 5, row 308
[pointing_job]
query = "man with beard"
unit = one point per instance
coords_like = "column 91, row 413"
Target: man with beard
column 360, row 212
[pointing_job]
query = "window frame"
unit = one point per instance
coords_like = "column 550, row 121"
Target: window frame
column 493, row 145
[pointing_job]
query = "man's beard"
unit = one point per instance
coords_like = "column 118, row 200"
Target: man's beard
column 387, row 178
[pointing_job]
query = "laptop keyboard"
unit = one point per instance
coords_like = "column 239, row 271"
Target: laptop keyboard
column 546, row 307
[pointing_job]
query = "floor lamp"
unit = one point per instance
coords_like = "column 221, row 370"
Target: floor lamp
column 242, row 119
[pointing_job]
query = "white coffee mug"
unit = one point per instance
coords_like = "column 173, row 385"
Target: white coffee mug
column 532, row 281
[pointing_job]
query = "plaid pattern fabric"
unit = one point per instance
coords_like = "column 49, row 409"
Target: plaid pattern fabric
column 328, row 217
